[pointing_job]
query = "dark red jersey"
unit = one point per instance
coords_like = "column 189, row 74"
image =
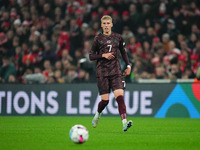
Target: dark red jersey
column 105, row 44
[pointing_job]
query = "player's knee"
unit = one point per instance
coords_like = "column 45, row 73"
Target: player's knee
column 118, row 93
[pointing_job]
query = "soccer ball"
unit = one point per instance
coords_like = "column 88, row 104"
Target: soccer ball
column 78, row 134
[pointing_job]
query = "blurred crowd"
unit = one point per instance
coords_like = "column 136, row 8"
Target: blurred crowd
column 48, row 41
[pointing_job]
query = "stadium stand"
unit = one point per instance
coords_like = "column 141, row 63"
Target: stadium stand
column 48, row 41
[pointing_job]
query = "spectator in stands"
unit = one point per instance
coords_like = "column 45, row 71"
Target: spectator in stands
column 95, row 5
column 48, row 53
column 75, row 37
column 57, row 14
column 12, row 79
column 188, row 74
column 42, row 39
column 160, row 73
column 186, row 54
column 3, row 45
column 47, row 70
column 194, row 62
column 194, row 8
column 10, row 35
column 138, row 68
column 155, row 44
column 178, row 19
column 140, row 52
column 182, row 63
column 58, row 65
column 18, row 57
column 166, row 64
column 127, row 34
column 192, row 41
column 58, row 76
column 141, row 34
column 117, row 23
column 196, row 50
column 86, row 50
column 66, row 56
column 27, row 66
column 88, row 34
column 156, row 62
column 175, row 55
column 165, row 42
column 77, row 56
column 66, row 66
column 71, row 74
column 175, row 72
column 146, row 49
column 158, row 29
column 145, row 13
column 47, row 11
column 6, row 70
column 132, row 44
column 195, row 29
column 150, row 34
column 197, row 78
column 94, row 18
column 126, row 19
column 134, row 17
column 63, row 41
column 184, row 46
column 96, row 28
column 79, row 17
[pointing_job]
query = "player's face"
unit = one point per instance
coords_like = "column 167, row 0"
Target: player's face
column 106, row 26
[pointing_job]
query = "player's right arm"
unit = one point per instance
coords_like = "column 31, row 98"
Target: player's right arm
column 94, row 52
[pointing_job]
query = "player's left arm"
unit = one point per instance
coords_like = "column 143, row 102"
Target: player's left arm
column 125, row 57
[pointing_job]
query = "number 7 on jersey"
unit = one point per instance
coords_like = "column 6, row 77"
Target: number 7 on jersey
column 110, row 47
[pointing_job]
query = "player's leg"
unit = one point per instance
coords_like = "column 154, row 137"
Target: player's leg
column 104, row 90
column 119, row 93
column 122, row 108
column 118, row 86
column 102, row 104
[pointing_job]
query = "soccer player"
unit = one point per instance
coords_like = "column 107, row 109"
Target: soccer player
column 105, row 50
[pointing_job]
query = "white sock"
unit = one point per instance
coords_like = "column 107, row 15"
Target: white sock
column 97, row 115
column 124, row 121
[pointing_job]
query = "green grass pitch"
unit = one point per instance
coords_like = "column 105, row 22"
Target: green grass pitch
column 52, row 133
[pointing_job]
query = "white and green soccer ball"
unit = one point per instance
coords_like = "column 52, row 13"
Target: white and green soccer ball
column 78, row 134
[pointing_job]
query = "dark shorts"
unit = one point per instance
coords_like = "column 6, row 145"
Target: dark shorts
column 105, row 84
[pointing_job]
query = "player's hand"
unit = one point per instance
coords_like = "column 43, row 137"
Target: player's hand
column 127, row 71
column 108, row 56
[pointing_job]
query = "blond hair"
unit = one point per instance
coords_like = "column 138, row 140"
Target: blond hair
column 106, row 17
